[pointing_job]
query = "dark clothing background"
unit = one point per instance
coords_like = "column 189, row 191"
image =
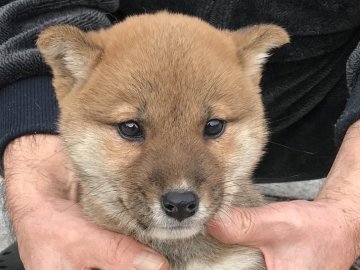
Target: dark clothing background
column 304, row 83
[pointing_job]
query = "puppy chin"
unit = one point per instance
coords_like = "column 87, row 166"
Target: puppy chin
column 173, row 233
column 166, row 228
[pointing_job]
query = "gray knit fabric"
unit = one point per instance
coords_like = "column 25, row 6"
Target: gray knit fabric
column 22, row 20
column 353, row 68
column 351, row 112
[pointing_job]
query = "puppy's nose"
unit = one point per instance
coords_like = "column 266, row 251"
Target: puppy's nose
column 180, row 205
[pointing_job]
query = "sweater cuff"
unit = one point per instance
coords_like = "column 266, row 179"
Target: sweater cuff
column 350, row 115
column 28, row 106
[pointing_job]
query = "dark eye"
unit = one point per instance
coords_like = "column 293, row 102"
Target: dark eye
column 131, row 131
column 214, row 128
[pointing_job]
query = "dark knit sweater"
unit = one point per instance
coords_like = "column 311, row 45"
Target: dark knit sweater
column 304, row 84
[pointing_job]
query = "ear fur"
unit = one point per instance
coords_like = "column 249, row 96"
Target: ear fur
column 254, row 43
column 71, row 55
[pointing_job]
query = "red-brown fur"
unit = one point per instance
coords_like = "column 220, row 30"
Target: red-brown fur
column 171, row 73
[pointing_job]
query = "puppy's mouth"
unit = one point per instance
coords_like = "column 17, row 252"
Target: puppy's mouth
column 164, row 227
column 174, row 232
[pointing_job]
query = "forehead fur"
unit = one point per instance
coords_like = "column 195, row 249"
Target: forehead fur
column 162, row 59
column 157, row 63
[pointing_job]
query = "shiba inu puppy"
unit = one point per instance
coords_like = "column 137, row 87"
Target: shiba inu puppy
column 163, row 119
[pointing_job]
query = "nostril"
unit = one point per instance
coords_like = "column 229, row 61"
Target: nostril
column 191, row 207
column 168, row 207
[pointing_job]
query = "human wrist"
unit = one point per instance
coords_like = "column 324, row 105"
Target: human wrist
column 343, row 213
column 342, row 185
column 38, row 155
column 36, row 170
column 343, row 181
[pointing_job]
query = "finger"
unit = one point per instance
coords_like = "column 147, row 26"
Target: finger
column 254, row 226
column 114, row 251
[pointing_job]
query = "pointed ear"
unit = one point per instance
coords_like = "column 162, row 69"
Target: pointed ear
column 254, row 43
column 71, row 55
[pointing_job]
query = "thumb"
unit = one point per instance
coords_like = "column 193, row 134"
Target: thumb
column 116, row 251
column 251, row 226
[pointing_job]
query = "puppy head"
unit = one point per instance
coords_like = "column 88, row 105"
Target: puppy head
column 162, row 117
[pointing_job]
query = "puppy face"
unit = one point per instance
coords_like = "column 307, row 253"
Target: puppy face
column 162, row 118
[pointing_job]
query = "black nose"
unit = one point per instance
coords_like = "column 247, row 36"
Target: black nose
column 180, row 205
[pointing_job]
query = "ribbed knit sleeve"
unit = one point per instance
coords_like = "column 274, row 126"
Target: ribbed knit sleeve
column 27, row 100
column 352, row 109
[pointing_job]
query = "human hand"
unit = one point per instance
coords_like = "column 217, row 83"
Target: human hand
column 51, row 231
column 293, row 235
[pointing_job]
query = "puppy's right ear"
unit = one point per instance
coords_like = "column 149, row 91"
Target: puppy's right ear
column 71, row 55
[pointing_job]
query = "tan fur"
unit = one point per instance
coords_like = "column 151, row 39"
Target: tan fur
column 171, row 73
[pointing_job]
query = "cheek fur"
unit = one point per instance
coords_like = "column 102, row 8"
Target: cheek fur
column 102, row 175
column 239, row 149
column 101, row 150
column 119, row 153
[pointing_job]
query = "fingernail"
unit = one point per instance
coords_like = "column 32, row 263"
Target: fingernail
column 148, row 261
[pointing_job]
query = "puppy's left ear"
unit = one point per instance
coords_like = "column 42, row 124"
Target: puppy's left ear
column 254, row 43
column 71, row 55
